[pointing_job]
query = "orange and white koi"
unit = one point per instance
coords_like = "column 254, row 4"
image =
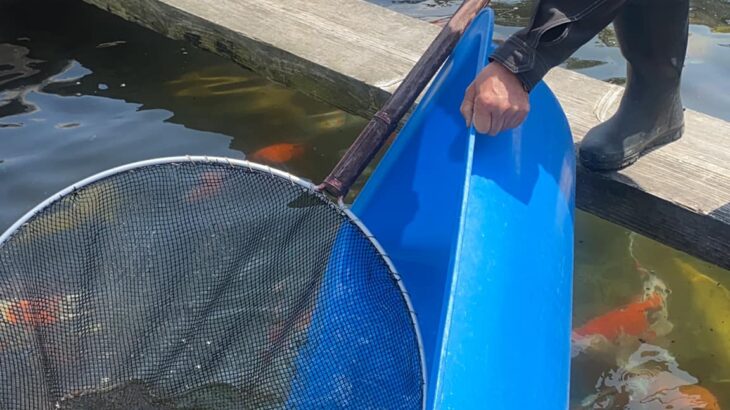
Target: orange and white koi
column 651, row 379
column 645, row 319
column 695, row 397
column 631, row 320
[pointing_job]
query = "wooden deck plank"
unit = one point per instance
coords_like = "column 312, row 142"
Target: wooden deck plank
column 353, row 54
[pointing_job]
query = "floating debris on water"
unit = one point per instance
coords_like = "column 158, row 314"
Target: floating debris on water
column 68, row 125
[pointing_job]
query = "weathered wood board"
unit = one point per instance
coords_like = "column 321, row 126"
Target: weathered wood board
column 679, row 195
column 353, row 54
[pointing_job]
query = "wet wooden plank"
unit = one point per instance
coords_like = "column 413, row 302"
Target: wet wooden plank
column 679, row 195
column 352, row 55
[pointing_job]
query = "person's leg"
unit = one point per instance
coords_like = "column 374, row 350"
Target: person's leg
column 653, row 39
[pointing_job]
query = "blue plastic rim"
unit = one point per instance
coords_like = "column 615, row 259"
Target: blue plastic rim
column 481, row 230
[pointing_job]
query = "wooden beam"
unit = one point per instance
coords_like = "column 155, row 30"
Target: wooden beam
column 353, row 54
column 678, row 195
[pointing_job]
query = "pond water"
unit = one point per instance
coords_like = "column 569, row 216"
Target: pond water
column 82, row 91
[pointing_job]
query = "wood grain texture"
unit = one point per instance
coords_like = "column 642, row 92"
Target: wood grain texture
column 679, row 194
column 353, row 54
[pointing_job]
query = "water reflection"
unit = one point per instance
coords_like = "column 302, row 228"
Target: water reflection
column 76, row 100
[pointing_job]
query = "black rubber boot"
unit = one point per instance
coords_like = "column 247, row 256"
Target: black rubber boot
column 653, row 39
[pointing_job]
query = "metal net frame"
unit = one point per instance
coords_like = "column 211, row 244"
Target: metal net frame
column 198, row 282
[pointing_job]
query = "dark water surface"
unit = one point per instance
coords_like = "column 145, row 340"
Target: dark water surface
column 82, row 91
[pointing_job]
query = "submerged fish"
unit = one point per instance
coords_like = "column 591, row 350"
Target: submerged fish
column 696, row 396
column 607, row 329
column 220, row 81
column 278, row 153
column 329, row 120
column 651, row 379
column 93, row 204
column 210, row 184
column 645, row 319
column 38, row 312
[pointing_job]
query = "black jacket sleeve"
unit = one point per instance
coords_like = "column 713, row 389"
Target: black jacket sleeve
column 557, row 29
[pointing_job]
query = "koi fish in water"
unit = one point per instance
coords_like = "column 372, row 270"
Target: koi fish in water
column 329, row 120
column 38, row 312
column 645, row 319
column 278, row 153
column 630, row 320
column 210, row 184
column 698, row 397
column 651, row 379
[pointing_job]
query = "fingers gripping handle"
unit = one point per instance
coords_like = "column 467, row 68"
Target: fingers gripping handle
column 384, row 122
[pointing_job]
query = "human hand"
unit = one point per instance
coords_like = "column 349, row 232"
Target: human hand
column 495, row 101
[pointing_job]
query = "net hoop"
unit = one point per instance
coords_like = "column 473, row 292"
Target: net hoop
column 307, row 185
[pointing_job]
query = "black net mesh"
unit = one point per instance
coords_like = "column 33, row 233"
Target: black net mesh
column 200, row 285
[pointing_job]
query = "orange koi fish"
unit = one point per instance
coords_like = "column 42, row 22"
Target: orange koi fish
column 210, row 184
column 645, row 319
column 278, row 153
column 696, row 397
column 631, row 320
column 38, row 312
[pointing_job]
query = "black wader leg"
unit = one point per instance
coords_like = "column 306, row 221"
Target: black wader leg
column 653, row 39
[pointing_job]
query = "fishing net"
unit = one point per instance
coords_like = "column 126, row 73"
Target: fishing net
column 201, row 284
